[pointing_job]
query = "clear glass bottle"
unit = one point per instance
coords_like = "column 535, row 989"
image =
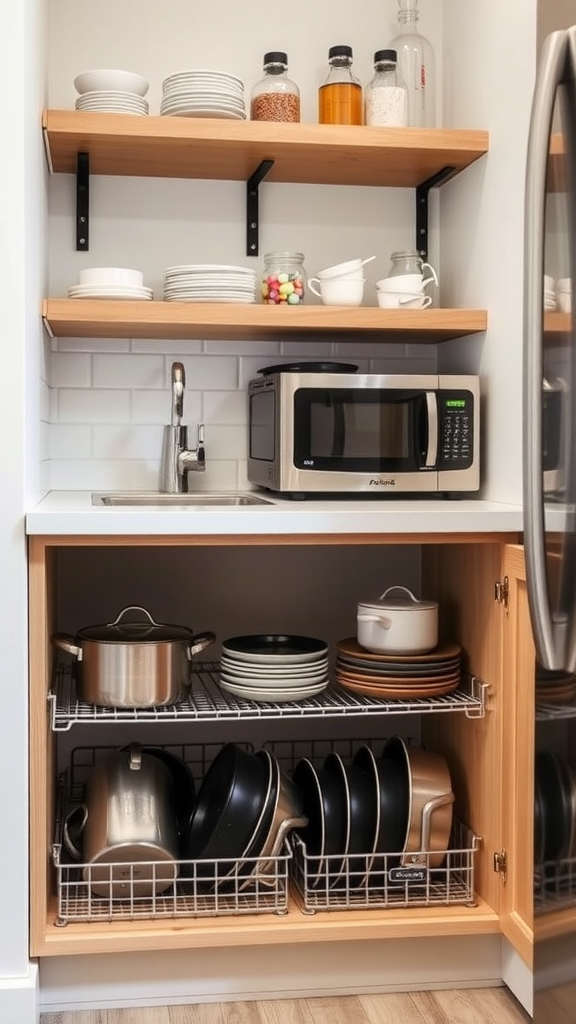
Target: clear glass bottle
column 385, row 97
column 417, row 67
column 283, row 279
column 340, row 98
column 275, row 97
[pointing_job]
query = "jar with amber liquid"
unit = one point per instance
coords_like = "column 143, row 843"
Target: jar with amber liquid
column 340, row 99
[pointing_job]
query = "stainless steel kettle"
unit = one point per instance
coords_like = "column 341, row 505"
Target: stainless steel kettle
column 128, row 826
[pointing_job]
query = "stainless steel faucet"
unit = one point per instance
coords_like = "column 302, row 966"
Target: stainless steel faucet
column 177, row 459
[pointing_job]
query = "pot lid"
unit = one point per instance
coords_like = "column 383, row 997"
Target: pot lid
column 135, row 625
column 391, row 599
column 312, row 367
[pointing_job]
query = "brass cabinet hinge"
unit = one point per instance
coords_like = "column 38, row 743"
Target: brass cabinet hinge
column 501, row 591
column 501, row 864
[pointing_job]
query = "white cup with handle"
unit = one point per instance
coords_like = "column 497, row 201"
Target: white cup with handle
column 338, row 291
column 350, row 269
column 405, row 283
column 403, row 300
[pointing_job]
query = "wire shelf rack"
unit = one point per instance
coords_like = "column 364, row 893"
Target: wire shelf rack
column 208, row 703
column 381, row 881
column 555, row 885
column 553, row 712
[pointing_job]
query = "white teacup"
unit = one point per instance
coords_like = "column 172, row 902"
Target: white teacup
column 403, row 300
column 338, row 291
column 350, row 269
column 564, row 301
column 405, row 283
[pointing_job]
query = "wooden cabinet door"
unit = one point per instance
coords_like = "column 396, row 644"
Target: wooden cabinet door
column 518, row 728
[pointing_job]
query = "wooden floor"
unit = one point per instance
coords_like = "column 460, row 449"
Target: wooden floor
column 465, row 1006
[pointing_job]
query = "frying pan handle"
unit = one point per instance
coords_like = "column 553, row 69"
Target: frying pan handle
column 427, row 812
column 68, row 843
column 200, row 643
column 66, row 642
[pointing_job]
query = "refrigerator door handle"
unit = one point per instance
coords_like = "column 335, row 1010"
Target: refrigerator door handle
column 550, row 630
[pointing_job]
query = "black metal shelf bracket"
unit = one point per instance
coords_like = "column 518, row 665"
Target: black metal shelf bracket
column 422, row 191
column 252, row 222
column 82, row 202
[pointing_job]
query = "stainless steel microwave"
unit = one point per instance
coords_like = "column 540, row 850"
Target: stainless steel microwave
column 363, row 433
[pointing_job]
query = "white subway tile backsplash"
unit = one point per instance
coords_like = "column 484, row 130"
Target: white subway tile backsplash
column 209, row 373
column 104, row 475
column 155, row 406
column 70, row 442
column 93, row 406
column 92, row 344
column 226, row 407
column 127, row 442
column 71, row 370
column 225, row 443
column 239, row 348
column 219, row 475
column 128, row 371
column 185, row 346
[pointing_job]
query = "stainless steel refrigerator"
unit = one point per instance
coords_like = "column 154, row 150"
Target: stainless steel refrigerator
column 550, row 504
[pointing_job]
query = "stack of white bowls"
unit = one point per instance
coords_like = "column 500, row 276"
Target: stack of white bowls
column 405, row 291
column 110, row 283
column 563, row 294
column 209, row 282
column 111, row 92
column 203, row 93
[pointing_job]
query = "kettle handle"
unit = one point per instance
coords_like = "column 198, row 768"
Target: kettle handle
column 66, row 642
column 200, row 643
column 68, row 843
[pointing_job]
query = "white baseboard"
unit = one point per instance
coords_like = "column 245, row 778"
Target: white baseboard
column 517, row 976
column 19, row 998
column 222, row 975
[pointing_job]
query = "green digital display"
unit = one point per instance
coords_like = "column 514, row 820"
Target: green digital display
column 455, row 403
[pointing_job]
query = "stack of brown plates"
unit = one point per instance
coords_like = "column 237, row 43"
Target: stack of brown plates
column 396, row 676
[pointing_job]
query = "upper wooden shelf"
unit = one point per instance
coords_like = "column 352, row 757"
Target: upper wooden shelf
column 180, row 147
column 98, row 318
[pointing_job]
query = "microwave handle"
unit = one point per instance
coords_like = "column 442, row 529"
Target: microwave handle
column 432, row 416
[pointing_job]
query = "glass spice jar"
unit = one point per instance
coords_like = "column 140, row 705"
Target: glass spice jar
column 340, row 98
column 276, row 97
column 283, row 278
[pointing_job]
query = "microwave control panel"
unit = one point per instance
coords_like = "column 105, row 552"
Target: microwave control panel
column 456, row 440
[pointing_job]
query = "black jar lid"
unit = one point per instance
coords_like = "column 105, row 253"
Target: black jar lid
column 385, row 55
column 276, row 57
column 339, row 51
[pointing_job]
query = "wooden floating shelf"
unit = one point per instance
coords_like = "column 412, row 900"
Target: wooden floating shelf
column 181, row 147
column 97, row 318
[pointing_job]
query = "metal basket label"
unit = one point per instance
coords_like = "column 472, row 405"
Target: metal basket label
column 408, row 874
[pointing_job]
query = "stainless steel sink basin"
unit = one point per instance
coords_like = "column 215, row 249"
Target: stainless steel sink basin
column 192, row 500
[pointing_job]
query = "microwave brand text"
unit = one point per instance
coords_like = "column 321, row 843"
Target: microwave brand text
column 383, row 481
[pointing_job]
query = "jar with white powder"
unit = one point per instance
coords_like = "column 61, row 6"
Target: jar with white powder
column 386, row 95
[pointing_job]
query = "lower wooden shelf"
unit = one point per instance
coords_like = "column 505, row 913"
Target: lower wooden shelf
column 98, row 318
column 258, row 930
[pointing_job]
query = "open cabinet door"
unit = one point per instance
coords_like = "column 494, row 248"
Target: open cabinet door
column 518, row 710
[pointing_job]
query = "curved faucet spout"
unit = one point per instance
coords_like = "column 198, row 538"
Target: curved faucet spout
column 178, row 388
column 177, row 459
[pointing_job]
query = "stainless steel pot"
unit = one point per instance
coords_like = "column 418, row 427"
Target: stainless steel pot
column 133, row 662
column 128, row 827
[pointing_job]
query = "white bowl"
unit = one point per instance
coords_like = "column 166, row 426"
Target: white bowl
column 111, row 275
column 122, row 81
column 403, row 300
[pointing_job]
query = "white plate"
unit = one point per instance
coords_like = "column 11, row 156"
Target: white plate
column 198, row 267
column 206, row 92
column 111, row 105
column 185, row 76
column 210, row 298
column 281, row 671
column 256, row 678
column 252, row 658
column 201, row 103
column 273, row 696
column 112, row 289
column 218, row 115
column 274, row 683
column 103, row 293
column 114, row 110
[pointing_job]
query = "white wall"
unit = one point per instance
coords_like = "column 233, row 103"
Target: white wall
column 21, row 262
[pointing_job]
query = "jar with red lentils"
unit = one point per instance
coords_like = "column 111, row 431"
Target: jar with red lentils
column 283, row 279
column 276, row 97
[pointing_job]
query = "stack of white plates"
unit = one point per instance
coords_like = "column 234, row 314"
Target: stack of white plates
column 203, row 93
column 274, row 668
column 209, row 282
column 111, row 102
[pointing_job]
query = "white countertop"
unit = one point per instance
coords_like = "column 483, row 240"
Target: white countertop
column 71, row 513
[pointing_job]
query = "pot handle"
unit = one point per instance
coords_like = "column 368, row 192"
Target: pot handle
column 67, row 643
column 200, row 643
column 405, row 589
column 376, row 618
column 68, row 843
column 133, row 608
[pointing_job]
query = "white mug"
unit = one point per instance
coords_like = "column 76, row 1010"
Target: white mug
column 403, row 300
column 405, row 283
column 338, row 291
column 350, row 269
